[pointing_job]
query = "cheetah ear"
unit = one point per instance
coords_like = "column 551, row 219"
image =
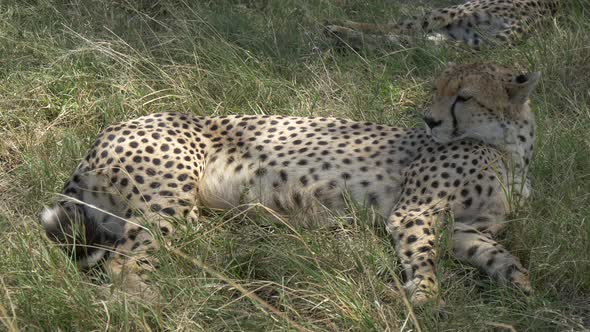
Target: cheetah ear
column 522, row 86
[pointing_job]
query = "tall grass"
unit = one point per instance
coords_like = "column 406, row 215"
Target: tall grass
column 68, row 69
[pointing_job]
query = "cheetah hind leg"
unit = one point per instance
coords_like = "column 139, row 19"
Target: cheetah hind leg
column 348, row 37
column 366, row 28
column 479, row 249
column 134, row 259
column 413, row 231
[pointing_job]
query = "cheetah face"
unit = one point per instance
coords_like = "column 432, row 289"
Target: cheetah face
column 479, row 101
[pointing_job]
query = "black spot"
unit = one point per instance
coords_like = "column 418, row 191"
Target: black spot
column 132, row 233
column 490, row 191
column 303, row 180
column 168, row 211
column 423, row 248
column 373, row 199
column 478, row 189
column 471, row 251
column 297, row 199
column 467, row 203
column 521, row 79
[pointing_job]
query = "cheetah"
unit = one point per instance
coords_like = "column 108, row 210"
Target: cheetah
column 473, row 23
column 469, row 161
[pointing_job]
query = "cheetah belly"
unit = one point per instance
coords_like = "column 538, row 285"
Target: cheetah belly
column 292, row 191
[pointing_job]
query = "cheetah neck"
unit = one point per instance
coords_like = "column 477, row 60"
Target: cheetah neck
column 519, row 142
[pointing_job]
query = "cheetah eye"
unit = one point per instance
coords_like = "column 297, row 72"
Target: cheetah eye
column 462, row 99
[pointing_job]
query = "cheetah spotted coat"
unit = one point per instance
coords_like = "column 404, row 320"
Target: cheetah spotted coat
column 471, row 160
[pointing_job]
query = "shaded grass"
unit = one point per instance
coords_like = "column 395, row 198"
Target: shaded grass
column 69, row 69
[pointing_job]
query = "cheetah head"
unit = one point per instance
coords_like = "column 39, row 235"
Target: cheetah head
column 480, row 101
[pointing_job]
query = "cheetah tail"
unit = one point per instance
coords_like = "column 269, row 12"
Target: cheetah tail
column 66, row 224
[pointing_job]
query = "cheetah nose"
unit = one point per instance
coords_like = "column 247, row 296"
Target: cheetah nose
column 431, row 123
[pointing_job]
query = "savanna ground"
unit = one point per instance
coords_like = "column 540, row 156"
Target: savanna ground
column 70, row 68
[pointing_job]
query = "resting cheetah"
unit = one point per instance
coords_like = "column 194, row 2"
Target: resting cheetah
column 470, row 158
column 473, row 23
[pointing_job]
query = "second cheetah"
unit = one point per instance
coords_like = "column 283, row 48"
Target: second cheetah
column 474, row 23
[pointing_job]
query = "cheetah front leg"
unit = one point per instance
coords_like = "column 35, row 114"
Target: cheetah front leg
column 413, row 230
column 479, row 249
